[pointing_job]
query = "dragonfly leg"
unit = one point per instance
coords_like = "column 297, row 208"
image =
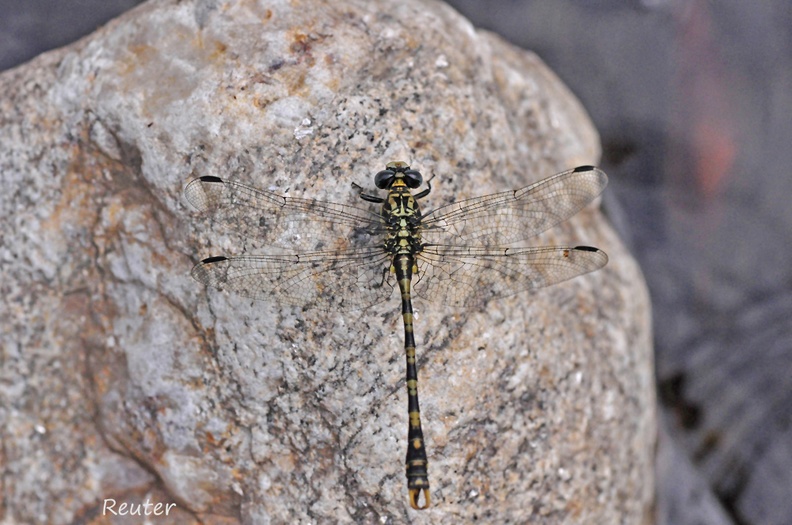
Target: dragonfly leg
column 365, row 196
column 428, row 189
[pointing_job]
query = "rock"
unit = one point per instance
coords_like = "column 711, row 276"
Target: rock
column 123, row 378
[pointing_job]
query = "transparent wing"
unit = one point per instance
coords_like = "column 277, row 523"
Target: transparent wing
column 264, row 218
column 469, row 277
column 511, row 216
column 347, row 280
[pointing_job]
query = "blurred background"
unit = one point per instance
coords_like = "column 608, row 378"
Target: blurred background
column 693, row 100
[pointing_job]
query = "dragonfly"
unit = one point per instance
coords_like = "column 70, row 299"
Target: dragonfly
column 350, row 258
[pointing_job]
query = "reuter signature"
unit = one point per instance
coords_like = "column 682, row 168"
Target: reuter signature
column 136, row 509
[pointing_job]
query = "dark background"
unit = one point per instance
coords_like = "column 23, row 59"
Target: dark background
column 693, row 100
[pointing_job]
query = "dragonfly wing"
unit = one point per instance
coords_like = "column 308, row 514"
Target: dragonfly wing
column 331, row 281
column 469, row 277
column 268, row 219
column 511, row 216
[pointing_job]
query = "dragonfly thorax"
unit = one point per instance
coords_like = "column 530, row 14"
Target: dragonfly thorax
column 402, row 218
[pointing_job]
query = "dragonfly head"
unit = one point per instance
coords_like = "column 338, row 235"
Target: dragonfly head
column 398, row 171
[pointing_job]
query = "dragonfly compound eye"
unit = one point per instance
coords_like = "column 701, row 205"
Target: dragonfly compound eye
column 413, row 179
column 384, row 178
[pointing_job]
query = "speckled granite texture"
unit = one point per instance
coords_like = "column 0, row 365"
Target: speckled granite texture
column 122, row 378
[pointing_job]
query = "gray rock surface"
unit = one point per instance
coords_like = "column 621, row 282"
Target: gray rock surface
column 122, row 378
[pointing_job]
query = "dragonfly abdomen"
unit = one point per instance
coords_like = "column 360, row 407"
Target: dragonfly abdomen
column 416, row 462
